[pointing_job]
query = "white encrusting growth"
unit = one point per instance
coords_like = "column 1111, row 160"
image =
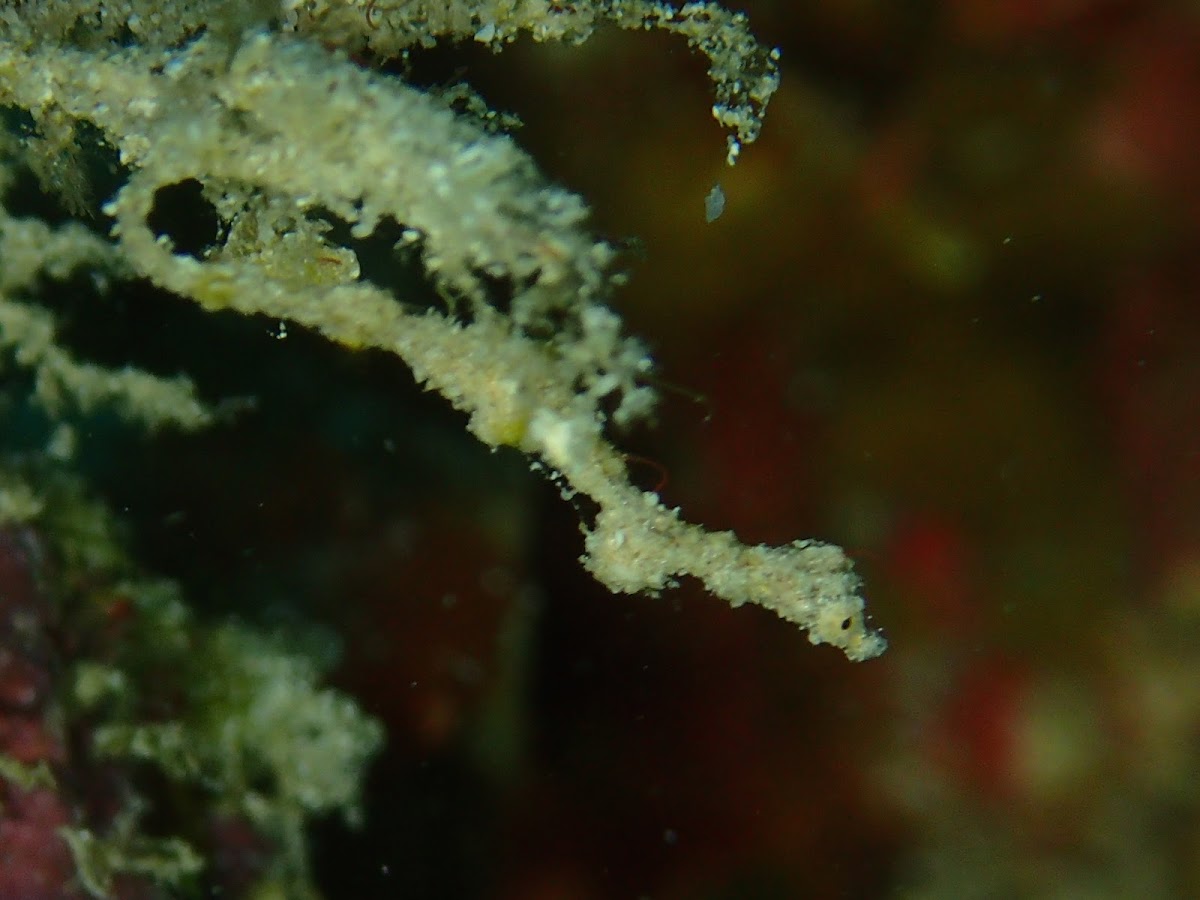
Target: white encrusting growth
column 264, row 108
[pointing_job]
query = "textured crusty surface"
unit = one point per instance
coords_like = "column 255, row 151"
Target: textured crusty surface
column 261, row 104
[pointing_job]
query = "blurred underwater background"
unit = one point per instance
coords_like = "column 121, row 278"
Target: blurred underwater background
column 948, row 319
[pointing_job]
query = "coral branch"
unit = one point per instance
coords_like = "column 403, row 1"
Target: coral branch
column 285, row 134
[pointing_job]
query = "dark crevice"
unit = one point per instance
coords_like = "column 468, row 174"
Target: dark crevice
column 183, row 214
